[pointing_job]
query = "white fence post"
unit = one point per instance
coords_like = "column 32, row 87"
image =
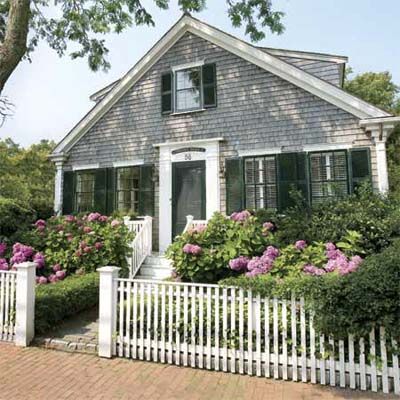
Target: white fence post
column 107, row 309
column 25, row 304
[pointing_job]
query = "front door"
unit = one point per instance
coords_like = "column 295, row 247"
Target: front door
column 188, row 193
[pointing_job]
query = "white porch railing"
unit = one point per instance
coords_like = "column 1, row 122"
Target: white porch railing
column 17, row 304
column 141, row 244
column 192, row 223
column 234, row 330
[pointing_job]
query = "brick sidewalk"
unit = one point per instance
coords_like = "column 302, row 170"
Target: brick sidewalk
column 35, row 373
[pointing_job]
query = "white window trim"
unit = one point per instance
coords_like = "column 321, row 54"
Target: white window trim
column 326, row 147
column 181, row 67
column 127, row 163
column 84, row 167
column 260, row 152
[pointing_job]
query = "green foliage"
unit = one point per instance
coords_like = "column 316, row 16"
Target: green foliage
column 354, row 303
column 375, row 217
column 81, row 244
column 15, row 219
column 222, row 240
column 27, row 176
column 82, row 24
column 64, row 299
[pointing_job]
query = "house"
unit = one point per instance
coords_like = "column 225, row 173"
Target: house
column 206, row 122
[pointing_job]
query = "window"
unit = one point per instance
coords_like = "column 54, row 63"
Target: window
column 329, row 176
column 188, row 85
column 127, row 194
column 84, row 192
column 189, row 89
column 260, row 182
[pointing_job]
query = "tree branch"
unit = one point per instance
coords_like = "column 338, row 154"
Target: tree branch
column 14, row 45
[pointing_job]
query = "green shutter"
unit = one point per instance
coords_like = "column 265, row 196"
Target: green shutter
column 234, row 185
column 209, row 86
column 110, row 191
column 68, row 193
column 292, row 175
column 166, row 93
column 360, row 167
column 100, row 190
column 146, row 191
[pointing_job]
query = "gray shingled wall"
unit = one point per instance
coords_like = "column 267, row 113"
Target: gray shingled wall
column 255, row 110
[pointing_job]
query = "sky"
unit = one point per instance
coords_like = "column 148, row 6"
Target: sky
column 51, row 94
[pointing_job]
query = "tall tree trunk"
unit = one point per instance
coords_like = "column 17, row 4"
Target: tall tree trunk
column 14, row 45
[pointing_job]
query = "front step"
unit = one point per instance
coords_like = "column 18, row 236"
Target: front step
column 155, row 268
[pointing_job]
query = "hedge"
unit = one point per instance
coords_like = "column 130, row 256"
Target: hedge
column 58, row 301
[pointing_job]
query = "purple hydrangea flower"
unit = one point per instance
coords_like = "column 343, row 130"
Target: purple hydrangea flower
column 3, row 264
column 313, row 270
column 42, row 280
column 271, row 252
column 300, row 245
column 3, row 248
column 39, row 260
column 56, row 267
column 240, row 216
column 192, row 249
column 239, row 263
column 330, row 246
column 61, row 275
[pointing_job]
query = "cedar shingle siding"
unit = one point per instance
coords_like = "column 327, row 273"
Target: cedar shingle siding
column 255, row 110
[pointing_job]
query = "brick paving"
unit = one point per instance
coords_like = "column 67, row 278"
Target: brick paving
column 36, row 373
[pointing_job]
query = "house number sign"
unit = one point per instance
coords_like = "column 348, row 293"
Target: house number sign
column 188, row 154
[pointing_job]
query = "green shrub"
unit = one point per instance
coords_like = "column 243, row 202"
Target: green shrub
column 61, row 300
column 222, row 240
column 354, row 303
column 375, row 217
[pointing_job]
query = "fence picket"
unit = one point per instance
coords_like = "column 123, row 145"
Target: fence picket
column 170, row 323
column 225, row 330
column 352, row 371
column 267, row 370
column 332, row 370
column 177, row 326
column 363, row 376
column 209, row 323
column 185, row 326
column 201, row 341
column 396, row 371
column 216, row 330
column 233, row 328
column 155, row 335
column 163, row 295
column 276, row 338
column 148, row 322
column 284, row 341
column 322, row 360
column 241, row 331
column 2, row 299
column 303, row 333
column 7, row 321
column 312, row 351
column 372, row 353
column 258, row 334
column 249, row 333
column 134, row 313
column 141, row 324
column 128, row 319
column 121, row 290
column 193, row 327
column 342, row 372
column 294, row 337
column 385, row 380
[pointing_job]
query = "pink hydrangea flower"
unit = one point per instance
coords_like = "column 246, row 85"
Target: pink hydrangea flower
column 271, row 252
column 42, row 280
column 330, row 246
column 87, row 249
column 87, row 229
column 70, row 218
column 268, row 227
column 240, row 216
column 56, row 267
column 3, row 264
column 53, row 278
column 40, row 222
column 93, row 216
column 103, row 218
column 192, row 249
column 239, row 263
column 60, row 275
column 3, row 248
column 313, row 270
column 115, row 223
column 39, row 260
column 300, row 245
column 98, row 245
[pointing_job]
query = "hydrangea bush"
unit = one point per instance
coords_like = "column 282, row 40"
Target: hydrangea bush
column 69, row 244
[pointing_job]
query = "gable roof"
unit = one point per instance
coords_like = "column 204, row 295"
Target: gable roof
column 255, row 55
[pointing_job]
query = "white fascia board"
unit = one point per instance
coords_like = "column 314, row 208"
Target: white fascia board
column 127, row 163
column 188, row 142
column 377, row 121
column 306, row 55
column 284, row 70
column 84, row 167
column 103, row 91
column 188, row 65
column 326, row 147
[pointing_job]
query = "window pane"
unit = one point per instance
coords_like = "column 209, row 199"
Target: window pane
column 128, row 189
column 84, row 191
column 187, row 79
column 188, row 99
column 188, row 89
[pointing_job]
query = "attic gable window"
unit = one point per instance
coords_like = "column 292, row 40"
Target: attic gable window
column 191, row 87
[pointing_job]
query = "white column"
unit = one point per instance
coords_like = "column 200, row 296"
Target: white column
column 213, row 190
column 58, row 160
column 381, row 164
column 165, row 199
column 107, row 309
column 25, row 304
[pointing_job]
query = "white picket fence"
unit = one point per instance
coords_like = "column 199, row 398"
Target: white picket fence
column 8, row 283
column 17, row 304
column 192, row 223
column 141, row 244
column 231, row 330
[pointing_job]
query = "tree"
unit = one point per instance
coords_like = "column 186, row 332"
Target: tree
column 379, row 89
column 82, row 23
column 27, row 175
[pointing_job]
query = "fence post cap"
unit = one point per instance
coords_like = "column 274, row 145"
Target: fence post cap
column 126, row 219
column 26, row 265
column 108, row 269
column 189, row 217
column 148, row 217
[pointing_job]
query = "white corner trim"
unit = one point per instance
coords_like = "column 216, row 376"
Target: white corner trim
column 189, row 142
column 188, row 65
column 83, row 167
column 127, row 163
column 268, row 62
column 260, row 152
column 327, row 146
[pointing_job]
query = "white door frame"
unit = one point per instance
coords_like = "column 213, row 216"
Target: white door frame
column 189, row 151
